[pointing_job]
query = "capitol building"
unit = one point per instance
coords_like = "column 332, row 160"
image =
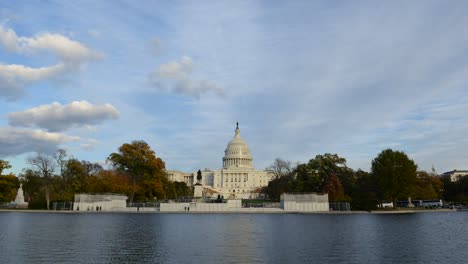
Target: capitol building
column 236, row 179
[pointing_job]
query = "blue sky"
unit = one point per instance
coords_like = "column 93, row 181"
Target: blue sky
column 301, row 77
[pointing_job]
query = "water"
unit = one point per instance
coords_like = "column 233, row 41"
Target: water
column 233, row 238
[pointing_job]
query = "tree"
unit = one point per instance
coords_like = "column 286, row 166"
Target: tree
column 140, row 162
column 312, row 176
column 8, row 187
column 182, row 190
column 364, row 195
column 334, row 188
column 76, row 174
column 394, row 174
column 8, row 183
column 34, row 188
column 283, row 172
column 60, row 156
column 46, row 166
column 91, row 167
column 278, row 186
column 281, row 168
column 110, row 181
column 427, row 187
column 4, row 165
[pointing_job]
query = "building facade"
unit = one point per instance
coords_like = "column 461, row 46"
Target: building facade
column 455, row 175
column 236, row 179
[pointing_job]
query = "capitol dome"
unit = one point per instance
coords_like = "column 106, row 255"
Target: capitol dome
column 237, row 153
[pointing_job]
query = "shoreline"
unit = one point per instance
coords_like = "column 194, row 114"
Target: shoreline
column 232, row 212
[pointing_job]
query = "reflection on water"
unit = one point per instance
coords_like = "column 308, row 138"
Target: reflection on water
column 232, row 238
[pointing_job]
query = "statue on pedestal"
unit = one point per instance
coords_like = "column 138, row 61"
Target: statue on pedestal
column 199, row 176
column 198, row 187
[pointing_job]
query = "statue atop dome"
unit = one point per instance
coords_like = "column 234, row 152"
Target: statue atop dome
column 237, row 131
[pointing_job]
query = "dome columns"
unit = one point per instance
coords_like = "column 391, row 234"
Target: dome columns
column 237, row 153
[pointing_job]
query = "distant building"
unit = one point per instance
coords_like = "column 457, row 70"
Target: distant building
column 101, row 202
column 237, row 178
column 455, row 175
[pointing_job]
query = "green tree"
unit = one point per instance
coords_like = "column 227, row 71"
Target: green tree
column 76, row 175
column 4, row 165
column 314, row 175
column 8, row 187
column 8, row 183
column 34, row 188
column 394, row 174
column 145, row 169
column 427, row 187
column 182, row 190
column 364, row 195
column 278, row 186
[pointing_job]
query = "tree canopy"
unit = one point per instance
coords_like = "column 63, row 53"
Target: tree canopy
column 138, row 173
column 394, row 174
column 147, row 171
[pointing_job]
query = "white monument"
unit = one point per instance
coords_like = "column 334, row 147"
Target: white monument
column 304, row 202
column 99, row 202
column 236, row 179
column 19, row 200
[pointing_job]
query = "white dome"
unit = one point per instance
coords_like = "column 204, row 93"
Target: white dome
column 237, row 153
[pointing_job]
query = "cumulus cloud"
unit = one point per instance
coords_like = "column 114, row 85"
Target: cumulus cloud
column 14, row 141
column 66, row 49
column 175, row 69
column 175, row 77
column 57, row 117
column 71, row 55
column 8, row 39
column 14, row 77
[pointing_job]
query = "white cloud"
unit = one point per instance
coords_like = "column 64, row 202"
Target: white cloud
column 174, row 69
column 175, row 77
column 71, row 54
column 66, row 49
column 14, row 141
column 58, row 117
column 14, row 77
column 8, row 39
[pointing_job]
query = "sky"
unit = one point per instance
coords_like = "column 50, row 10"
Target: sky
column 302, row 78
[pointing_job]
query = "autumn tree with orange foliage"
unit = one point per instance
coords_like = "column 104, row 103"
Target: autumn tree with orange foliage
column 110, row 181
column 334, row 188
column 147, row 172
